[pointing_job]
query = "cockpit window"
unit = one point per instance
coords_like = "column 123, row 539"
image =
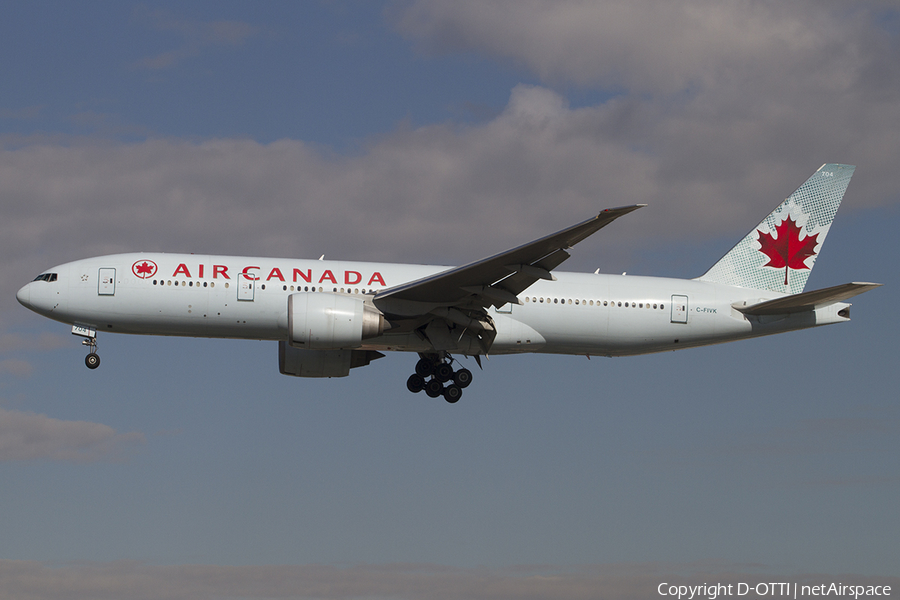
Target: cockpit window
column 46, row 277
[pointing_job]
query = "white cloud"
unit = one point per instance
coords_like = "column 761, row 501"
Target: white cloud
column 648, row 47
column 711, row 91
column 30, row 436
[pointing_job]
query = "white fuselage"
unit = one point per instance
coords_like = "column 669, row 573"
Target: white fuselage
column 246, row 298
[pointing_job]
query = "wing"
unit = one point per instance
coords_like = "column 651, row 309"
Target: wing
column 498, row 279
column 447, row 307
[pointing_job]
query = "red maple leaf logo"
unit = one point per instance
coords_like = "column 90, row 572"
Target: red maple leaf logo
column 144, row 269
column 787, row 251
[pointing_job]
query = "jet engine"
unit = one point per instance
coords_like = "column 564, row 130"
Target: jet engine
column 323, row 321
column 300, row 362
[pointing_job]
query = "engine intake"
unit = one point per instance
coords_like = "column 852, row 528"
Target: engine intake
column 323, row 321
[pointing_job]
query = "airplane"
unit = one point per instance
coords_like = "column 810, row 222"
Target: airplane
column 329, row 317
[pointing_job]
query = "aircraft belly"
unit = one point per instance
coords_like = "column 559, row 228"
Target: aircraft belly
column 189, row 313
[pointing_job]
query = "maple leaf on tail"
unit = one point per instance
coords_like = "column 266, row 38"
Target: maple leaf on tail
column 787, row 251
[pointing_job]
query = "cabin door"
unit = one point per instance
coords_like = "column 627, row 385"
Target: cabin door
column 246, row 287
column 679, row 309
column 107, row 285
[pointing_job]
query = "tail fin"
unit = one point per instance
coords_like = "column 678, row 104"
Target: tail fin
column 779, row 254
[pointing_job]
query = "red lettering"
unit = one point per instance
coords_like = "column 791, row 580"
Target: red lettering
column 275, row 272
column 307, row 277
column 182, row 268
column 220, row 270
column 327, row 275
column 376, row 276
column 357, row 277
column 201, row 271
column 249, row 275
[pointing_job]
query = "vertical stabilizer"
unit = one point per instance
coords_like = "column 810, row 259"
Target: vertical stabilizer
column 779, row 253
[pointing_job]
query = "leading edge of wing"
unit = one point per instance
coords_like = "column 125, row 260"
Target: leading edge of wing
column 527, row 263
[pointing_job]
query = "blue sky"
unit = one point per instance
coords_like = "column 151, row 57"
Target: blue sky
column 441, row 133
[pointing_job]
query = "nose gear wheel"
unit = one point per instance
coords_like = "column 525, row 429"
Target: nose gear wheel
column 92, row 360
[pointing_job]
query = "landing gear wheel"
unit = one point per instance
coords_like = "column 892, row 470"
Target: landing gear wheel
column 434, row 388
column 443, row 372
column 452, row 393
column 92, row 360
column 415, row 383
column 424, row 367
column 462, row 378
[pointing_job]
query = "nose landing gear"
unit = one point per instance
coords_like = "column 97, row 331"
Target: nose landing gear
column 440, row 370
column 92, row 360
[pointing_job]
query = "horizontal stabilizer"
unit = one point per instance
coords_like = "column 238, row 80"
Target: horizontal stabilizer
column 806, row 300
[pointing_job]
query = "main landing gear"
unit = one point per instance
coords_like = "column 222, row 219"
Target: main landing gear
column 440, row 371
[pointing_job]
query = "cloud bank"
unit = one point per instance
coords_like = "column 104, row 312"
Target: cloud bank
column 30, row 436
column 127, row 579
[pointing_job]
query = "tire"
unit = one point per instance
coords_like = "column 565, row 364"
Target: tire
column 434, row 388
column 452, row 393
column 92, row 360
column 415, row 383
column 443, row 372
column 462, row 378
column 424, row 367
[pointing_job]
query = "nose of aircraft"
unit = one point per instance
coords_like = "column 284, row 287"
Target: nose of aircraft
column 24, row 296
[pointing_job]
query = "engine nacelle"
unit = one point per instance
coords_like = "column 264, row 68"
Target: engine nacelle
column 300, row 362
column 323, row 321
